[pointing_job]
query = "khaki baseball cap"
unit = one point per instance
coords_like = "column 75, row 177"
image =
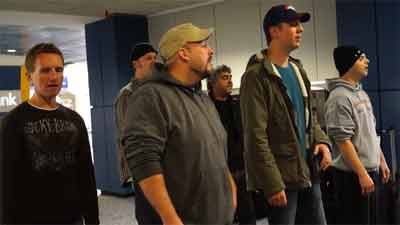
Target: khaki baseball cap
column 176, row 37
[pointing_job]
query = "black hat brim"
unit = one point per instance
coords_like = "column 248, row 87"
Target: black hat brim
column 303, row 17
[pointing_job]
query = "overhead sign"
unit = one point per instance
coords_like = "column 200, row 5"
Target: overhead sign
column 9, row 100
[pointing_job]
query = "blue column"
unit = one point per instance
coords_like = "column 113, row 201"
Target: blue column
column 108, row 44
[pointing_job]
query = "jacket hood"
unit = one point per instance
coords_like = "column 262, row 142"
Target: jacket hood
column 338, row 82
column 260, row 56
column 161, row 75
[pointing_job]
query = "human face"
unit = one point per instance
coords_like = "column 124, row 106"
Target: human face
column 223, row 85
column 199, row 58
column 145, row 64
column 288, row 35
column 47, row 76
column 360, row 67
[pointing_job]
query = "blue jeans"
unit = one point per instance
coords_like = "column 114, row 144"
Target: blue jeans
column 304, row 207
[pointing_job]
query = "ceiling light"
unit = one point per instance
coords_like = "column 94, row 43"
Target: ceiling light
column 11, row 50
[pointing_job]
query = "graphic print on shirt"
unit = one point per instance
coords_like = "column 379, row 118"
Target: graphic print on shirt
column 50, row 143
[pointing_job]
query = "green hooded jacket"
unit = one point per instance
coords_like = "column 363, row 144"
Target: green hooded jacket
column 272, row 149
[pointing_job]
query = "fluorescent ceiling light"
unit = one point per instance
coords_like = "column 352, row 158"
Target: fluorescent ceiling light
column 11, row 50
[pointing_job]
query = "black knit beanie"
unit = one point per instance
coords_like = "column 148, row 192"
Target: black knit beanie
column 140, row 50
column 345, row 57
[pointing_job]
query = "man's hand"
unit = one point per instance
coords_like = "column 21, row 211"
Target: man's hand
column 278, row 199
column 366, row 183
column 384, row 171
column 234, row 191
column 326, row 155
column 173, row 221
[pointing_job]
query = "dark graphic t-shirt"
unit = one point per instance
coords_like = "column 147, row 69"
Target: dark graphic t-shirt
column 48, row 173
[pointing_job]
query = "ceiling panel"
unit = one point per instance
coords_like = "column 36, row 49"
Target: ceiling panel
column 21, row 38
column 96, row 7
column 33, row 22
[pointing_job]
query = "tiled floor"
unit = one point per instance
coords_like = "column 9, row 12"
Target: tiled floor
column 117, row 210
column 120, row 211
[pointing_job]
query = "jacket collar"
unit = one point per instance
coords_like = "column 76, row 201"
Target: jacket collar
column 271, row 68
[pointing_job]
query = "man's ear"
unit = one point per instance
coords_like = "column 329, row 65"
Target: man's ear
column 182, row 53
column 273, row 31
column 28, row 76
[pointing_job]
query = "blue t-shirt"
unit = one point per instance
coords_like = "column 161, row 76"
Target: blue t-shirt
column 295, row 94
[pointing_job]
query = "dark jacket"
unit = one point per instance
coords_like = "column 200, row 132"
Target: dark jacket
column 229, row 112
column 175, row 131
column 272, row 150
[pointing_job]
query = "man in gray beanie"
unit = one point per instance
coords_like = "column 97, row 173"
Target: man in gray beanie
column 358, row 159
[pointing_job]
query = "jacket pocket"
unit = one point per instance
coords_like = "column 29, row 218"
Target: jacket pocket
column 287, row 161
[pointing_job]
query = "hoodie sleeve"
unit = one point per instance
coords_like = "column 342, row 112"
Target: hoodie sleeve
column 261, row 164
column 145, row 133
column 339, row 118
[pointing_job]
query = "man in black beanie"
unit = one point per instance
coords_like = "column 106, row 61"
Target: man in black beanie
column 350, row 123
column 142, row 60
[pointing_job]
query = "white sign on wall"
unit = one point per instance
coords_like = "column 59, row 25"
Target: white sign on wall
column 9, row 99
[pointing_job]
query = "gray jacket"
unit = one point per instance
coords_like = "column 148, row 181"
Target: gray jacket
column 120, row 107
column 349, row 116
column 175, row 131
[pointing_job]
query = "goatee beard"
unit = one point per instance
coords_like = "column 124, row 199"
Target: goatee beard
column 204, row 74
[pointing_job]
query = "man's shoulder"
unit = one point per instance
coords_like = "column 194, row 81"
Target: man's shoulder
column 14, row 115
column 127, row 89
column 339, row 96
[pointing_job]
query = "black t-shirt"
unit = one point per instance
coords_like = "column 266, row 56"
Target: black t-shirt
column 47, row 174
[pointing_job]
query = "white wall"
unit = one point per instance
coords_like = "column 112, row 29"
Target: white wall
column 239, row 34
column 11, row 60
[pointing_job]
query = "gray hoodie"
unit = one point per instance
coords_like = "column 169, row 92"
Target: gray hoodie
column 175, row 130
column 349, row 116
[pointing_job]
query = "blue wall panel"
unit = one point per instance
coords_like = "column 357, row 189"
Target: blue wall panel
column 356, row 26
column 390, row 103
column 99, row 149
column 375, row 101
column 388, row 21
column 93, row 52
column 109, row 42
column 10, row 77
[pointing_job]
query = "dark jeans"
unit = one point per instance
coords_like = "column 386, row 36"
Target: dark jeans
column 304, row 207
column 245, row 211
column 353, row 207
column 145, row 213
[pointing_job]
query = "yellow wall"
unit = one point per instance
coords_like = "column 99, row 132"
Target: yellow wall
column 24, row 84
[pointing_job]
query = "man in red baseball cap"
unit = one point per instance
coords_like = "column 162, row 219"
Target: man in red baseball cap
column 282, row 137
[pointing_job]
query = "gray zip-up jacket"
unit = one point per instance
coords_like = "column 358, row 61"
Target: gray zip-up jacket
column 120, row 107
column 349, row 116
column 175, row 131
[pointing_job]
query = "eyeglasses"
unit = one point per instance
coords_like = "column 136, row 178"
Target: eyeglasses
column 203, row 43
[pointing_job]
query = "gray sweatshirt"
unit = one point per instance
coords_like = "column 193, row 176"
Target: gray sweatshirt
column 175, row 131
column 349, row 116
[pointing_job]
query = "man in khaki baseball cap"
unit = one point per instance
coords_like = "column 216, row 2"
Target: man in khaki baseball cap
column 178, row 36
column 175, row 142
column 176, row 46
